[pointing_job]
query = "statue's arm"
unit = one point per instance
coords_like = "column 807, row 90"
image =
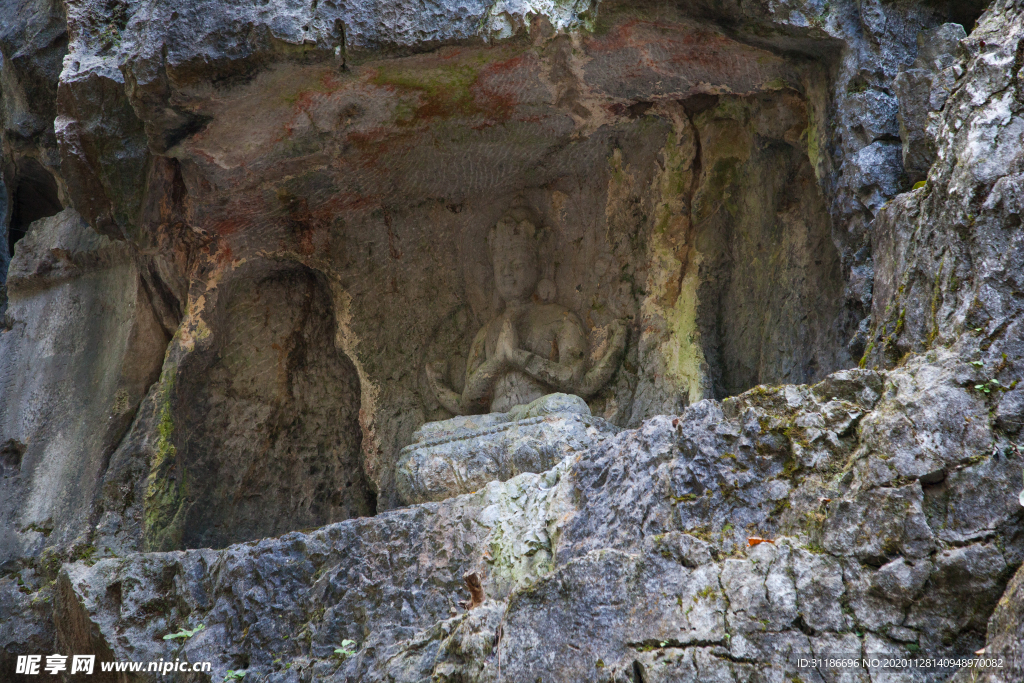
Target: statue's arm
column 565, row 373
column 476, row 372
column 481, row 374
column 603, row 369
column 451, row 401
column 568, row 373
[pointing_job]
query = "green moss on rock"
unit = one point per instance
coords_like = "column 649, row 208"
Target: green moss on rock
column 165, row 502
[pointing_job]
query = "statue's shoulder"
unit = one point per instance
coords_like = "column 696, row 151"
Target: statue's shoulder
column 557, row 313
column 552, row 306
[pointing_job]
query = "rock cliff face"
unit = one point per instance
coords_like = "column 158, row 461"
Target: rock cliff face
column 239, row 234
column 629, row 562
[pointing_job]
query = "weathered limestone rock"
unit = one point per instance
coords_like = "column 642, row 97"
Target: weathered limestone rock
column 632, row 556
column 947, row 255
column 302, row 196
column 1005, row 637
column 33, row 42
column 58, row 383
column 380, row 170
column 922, row 91
column 79, row 348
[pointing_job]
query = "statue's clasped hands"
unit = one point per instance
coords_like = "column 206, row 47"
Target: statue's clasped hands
column 507, row 349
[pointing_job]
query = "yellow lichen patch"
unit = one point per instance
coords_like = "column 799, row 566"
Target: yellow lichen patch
column 347, row 340
column 672, row 283
column 726, row 141
column 193, row 327
column 445, row 85
column 164, row 503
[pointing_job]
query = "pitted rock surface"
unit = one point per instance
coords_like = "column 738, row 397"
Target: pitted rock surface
column 631, row 556
column 287, row 206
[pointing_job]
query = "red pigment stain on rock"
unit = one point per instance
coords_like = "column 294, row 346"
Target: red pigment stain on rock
column 703, row 37
column 632, row 34
column 307, row 99
column 363, row 140
column 496, row 106
column 305, row 245
column 708, row 55
column 204, row 155
column 452, row 53
column 371, row 447
column 227, row 226
column 616, row 39
column 494, row 92
column 331, row 83
column 507, row 65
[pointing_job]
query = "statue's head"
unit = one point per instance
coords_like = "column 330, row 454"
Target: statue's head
column 514, row 254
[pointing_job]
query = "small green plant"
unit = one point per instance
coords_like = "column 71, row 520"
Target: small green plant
column 988, row 386
column 919, row 184
column 977, row 363
column 185, row 633
column 234, row 675
column 346, row 650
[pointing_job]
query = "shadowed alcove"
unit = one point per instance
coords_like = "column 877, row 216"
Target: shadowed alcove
column 33, row 196
column 272, row 442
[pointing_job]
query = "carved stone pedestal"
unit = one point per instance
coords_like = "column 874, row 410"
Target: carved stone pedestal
column 463, row 454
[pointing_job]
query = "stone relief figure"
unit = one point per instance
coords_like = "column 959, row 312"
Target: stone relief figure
column 529, row 369
column 531, row 349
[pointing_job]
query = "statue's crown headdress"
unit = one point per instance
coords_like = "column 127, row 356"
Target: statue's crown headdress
column 525, row 222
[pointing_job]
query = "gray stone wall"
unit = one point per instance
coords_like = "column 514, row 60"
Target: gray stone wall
column 278, row 216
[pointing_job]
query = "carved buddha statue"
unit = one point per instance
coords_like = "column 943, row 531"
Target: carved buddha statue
column 530, row 349
column 528, row 369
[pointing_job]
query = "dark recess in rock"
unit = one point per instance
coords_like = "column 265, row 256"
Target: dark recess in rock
column 268, row 420
column 963, row 12
column 34, row 196
column 10, row 457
